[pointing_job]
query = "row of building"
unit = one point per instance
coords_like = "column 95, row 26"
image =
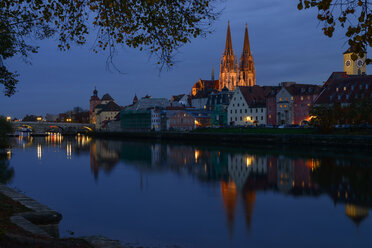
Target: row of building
column 234, row 99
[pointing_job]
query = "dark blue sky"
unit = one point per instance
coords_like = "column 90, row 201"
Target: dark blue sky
column 287, row 45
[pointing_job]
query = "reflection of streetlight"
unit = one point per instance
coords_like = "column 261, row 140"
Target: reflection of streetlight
column 39, row 151
column 249, row 160
column 197, row 152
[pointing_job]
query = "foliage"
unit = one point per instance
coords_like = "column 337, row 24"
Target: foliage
column 357, row 113
column 354, row 14
column 31, row 118
column 160, row 26
column 5, row 128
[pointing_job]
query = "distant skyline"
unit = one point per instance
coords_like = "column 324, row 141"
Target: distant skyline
column 287, row 45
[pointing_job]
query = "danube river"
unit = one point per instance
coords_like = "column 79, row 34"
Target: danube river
column 175, row 195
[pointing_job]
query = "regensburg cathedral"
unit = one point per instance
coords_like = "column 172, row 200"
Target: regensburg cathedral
column 230, row 76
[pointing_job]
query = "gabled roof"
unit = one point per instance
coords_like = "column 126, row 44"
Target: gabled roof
column 177, row 98
column 110, row 107
column 303, row 89
column 254, row 95
column 147, row 103
column 107, row 97
column 345, row 89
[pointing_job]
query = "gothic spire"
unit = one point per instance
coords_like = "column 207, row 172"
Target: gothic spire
column 228, row 47
column 246, row 47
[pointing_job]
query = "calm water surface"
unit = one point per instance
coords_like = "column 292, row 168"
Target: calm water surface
column 197, row 196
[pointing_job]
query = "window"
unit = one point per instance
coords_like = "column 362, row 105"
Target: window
column 280, row 98
column 337, row 89
column 238, row 104
column 236, row 118
column 240, row 111
column 233, row 105
column 286, row 99
column 339, row 97
column 308, row 98
column 251, row 111
column 269, row 116
column 308, row 104
column 281, row 106
column 236, row 111
column 261, row 118
column 302, row 98
column 240, row 118
column 360, row 86
column 366, row 86
column 256, row 110
column 245, row 110
column 344, row 88
column 262, row 110
column 256, row 118
column 269, row 107
column 292, row 98
column 230, row 111
column 251, row 118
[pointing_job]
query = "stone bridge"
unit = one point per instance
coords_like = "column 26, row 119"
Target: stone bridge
column 62, row 127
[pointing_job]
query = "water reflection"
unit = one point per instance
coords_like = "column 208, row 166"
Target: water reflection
column 239, row 174
column 6, row 171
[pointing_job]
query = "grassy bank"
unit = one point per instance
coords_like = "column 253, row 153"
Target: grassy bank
column 341, row 131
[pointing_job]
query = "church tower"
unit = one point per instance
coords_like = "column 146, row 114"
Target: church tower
column 354, row 67
column 247, row 73
column 94, row 101
column 229, row 66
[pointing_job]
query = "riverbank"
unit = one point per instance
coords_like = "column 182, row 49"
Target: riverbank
column 26, row 223
column 245, row 138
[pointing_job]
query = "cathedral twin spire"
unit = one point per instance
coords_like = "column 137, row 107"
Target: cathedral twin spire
column 229, row 75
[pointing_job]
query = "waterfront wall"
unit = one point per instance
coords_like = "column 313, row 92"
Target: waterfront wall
column 352, row 141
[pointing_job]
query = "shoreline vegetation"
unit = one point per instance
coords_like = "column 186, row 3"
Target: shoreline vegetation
column 357, row 138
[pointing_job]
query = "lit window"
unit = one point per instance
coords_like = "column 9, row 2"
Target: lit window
column 269, row 116
column 281, row 106
column 337, row 89
column 292, row 98
column 280, row 98
column 302, row 98
column 308, row 104
column 344, row 88
column 286, row 99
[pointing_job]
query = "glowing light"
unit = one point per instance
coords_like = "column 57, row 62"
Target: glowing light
column 197, row 153
column 8, row 118
column 39, row 118
column 249, row 160
column 39, row 151
column 9, row 154
column 68, row 150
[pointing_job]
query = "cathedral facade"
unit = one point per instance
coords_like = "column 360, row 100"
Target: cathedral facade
column 232, row 76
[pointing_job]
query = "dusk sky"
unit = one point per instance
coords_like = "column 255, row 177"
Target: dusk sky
column 287, row 45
